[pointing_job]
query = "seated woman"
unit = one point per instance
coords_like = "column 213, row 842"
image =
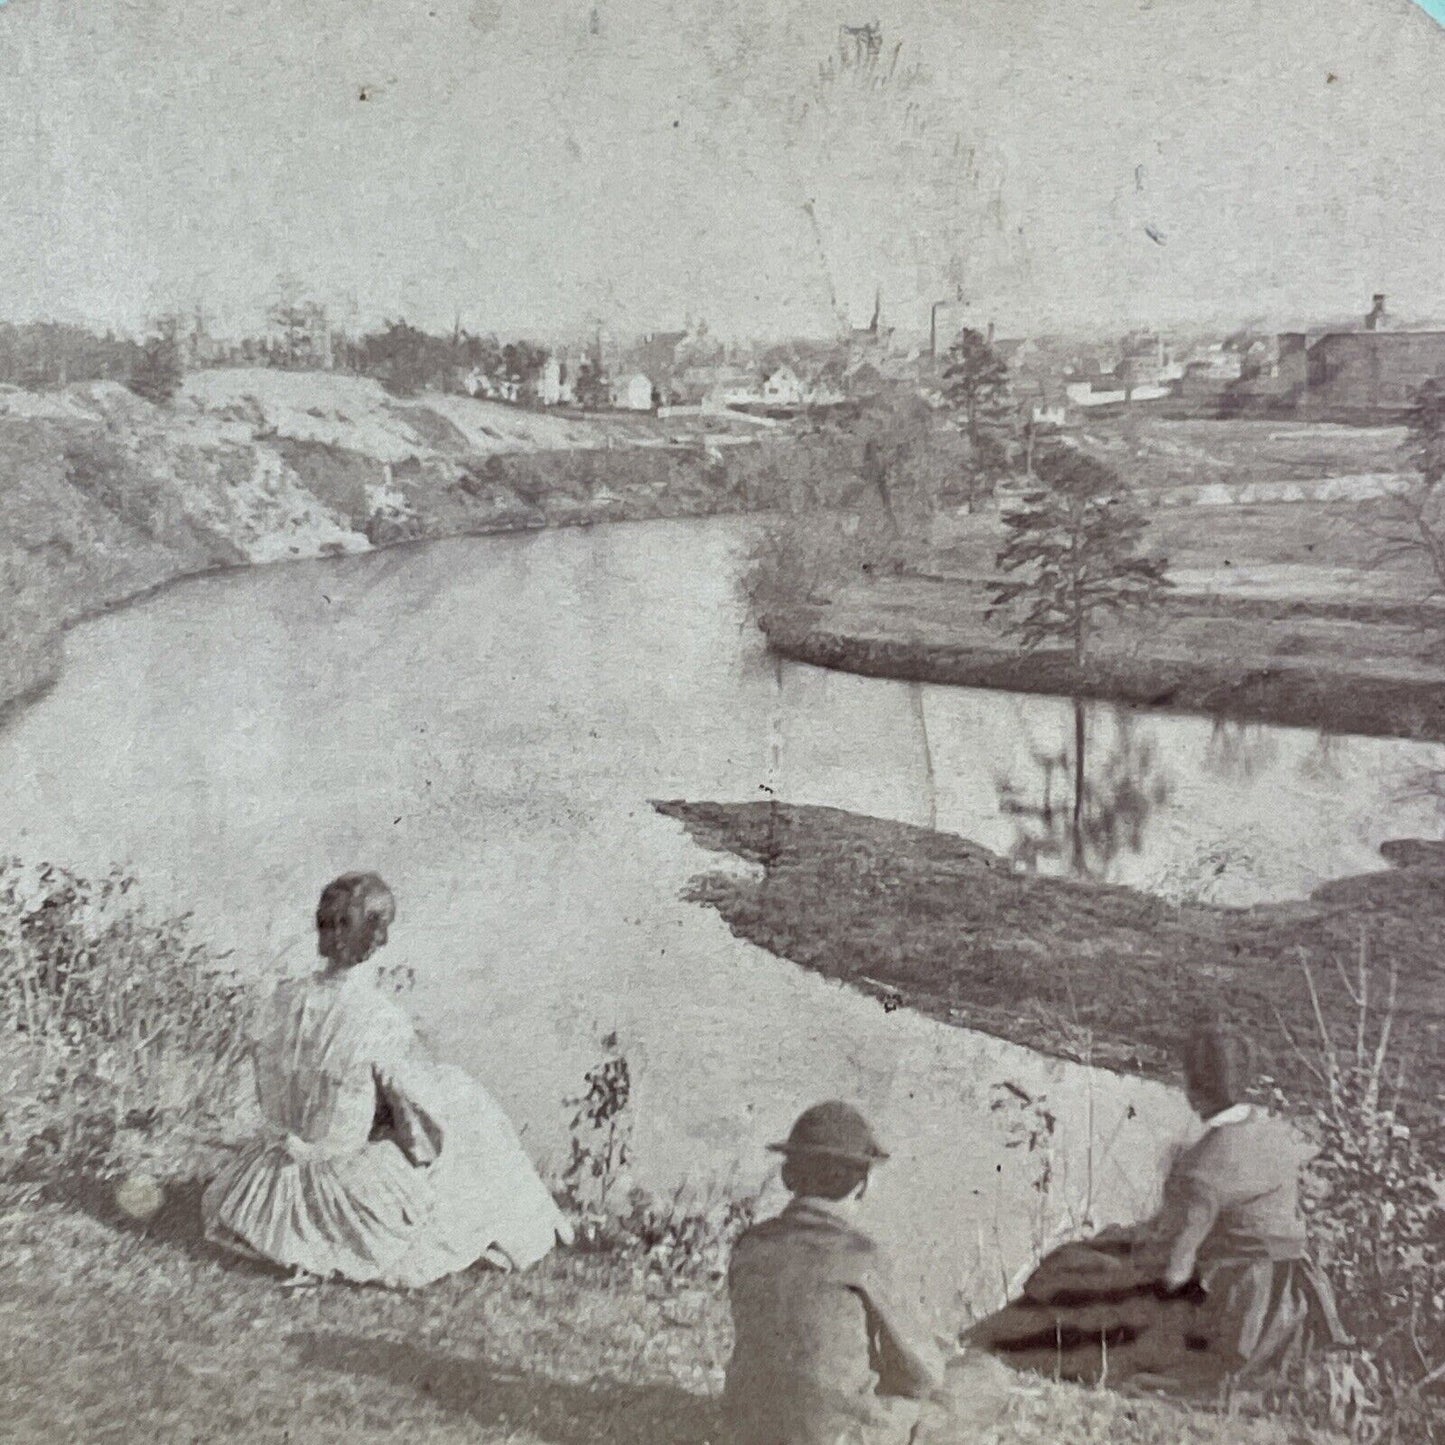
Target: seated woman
column 377, row 1166
column 1217, row 1285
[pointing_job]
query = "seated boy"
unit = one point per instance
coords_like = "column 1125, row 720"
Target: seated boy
column 823, row 1354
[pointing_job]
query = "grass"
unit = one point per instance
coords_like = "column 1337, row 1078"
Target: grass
column 1152, row 451
column 164, row 1338
column 1345, row 991
column 1278, row 616
column 1282, row 611
column 1077, row 969
column 161, row 1340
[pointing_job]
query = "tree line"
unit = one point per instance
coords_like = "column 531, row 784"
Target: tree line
column 405, row 358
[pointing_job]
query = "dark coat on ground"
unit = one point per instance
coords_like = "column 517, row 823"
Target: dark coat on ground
column 1231, row 1226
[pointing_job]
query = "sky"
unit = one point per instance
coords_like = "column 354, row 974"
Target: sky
column 535, row 166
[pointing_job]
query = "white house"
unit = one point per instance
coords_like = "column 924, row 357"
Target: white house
column 549, row 385
column 1051, row 414
column 1112, row 393
column 824, row 393
column 478, row 383
column 633, row 393
column 783, row 388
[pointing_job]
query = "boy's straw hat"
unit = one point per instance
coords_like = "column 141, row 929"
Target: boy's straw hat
column 835, row 1131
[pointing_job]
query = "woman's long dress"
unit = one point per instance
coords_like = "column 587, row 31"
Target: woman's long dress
column 330, row 1191
column 1097, row 1310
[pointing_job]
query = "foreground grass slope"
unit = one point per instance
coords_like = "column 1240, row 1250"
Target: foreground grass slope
column 116, row 1328
column 112, row 1331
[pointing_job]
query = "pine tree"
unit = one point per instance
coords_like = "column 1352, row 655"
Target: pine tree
column 1425, row 432
column 976, row 383
column 1076, row 543
column 157, row 374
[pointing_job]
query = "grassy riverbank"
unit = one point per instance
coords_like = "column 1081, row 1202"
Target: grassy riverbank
column 1276, row 617
column 1344, row 991
column 1086, row 971
column 1282, row 609
column 117, row 1328
column 938, row 635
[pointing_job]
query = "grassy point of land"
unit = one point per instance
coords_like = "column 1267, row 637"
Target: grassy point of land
column 1081, row 970
column 1292, row 600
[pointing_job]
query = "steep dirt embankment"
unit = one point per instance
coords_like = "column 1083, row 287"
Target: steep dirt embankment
column 106, row 495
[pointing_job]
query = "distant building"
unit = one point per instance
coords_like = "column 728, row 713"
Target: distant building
column 1016, row 353
column 1115, row 388
column 1145, row 361
column 1050, row 416
column 1362, row 374
column 1372, row 371
column 477, row 383
column 660, row 357
column 783, row 387
column 715, row 384
column 633, row 393
column 554, row 386
column 874, row 334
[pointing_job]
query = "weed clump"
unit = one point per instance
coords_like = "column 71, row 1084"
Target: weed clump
column 1377, row 1213
column 686, row 1236
column 116, row 1030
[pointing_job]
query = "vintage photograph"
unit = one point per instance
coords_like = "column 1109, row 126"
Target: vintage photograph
column 722, row 722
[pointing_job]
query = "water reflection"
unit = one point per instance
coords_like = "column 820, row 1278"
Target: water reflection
column 1240, row 751
column 1323, row 762
column 1086, row 811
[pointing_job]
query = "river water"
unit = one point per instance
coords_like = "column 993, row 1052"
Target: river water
column 485, row 721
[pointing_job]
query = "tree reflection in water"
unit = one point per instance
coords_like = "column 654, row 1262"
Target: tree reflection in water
column 1089, row 811
column 1240, row 751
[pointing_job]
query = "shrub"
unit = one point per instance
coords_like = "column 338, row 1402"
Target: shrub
column 141, row 496
column 1378, row 1216
column 686, row 1236
column 689, row 1235
column 809, row 558
column 601, row 1136
column 110, row 1021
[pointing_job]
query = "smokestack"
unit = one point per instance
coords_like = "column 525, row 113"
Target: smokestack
column 990, row 333
column 1377, row 313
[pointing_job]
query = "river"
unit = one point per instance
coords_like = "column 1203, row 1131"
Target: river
column 484, row 721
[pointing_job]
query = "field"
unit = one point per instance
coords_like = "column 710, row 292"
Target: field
column 1281, row 610
column 1157, row 453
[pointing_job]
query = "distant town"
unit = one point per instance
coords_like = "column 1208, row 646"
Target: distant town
column 1362, row 371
